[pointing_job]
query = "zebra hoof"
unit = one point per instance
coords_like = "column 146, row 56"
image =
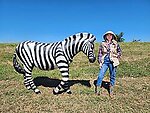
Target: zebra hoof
column 37, row 91
column 28, row 87
column 68, row 92
column 55, row 93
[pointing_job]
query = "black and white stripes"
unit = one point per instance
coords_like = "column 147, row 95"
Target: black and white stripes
column 48, row 56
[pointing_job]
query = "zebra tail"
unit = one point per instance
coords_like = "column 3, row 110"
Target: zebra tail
column 17, row 66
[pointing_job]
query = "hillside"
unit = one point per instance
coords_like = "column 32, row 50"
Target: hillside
column 132, row 91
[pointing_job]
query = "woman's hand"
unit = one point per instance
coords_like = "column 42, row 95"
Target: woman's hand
column 100, row 65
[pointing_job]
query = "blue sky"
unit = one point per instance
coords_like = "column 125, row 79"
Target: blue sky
column 54, row 20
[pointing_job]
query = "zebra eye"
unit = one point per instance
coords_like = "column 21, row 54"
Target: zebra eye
column 92, row 46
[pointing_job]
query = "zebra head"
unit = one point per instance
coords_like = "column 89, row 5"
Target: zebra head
column 88, row 47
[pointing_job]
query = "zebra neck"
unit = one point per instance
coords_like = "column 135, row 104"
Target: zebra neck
column 70, row 50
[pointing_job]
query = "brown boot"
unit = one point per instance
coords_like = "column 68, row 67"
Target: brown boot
column 97, row 90
column 111, row 91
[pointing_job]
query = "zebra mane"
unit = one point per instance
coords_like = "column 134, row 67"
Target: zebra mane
column 73, row 44
column 82, row 36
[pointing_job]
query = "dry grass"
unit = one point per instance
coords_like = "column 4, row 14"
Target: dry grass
column 135, row 51
column 131, row 94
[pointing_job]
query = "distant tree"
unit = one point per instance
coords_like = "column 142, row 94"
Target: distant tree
column 119, row 37
column 135, row 40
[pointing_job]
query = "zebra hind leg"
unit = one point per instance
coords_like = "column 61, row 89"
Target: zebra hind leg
column 28, row 82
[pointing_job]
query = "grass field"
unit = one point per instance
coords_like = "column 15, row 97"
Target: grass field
column 131, row 93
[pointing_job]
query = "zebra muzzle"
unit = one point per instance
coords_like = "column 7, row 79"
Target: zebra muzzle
column 92, row 60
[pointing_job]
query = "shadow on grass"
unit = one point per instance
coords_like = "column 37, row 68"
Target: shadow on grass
column 50, row 82
column 105, row 85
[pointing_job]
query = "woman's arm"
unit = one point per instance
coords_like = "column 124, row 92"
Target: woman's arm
column 119, row 51
column 100, row 54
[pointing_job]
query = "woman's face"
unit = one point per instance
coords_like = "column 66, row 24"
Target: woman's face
column 109, row 37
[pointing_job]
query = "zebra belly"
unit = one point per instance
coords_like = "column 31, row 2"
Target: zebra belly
column 46, row 67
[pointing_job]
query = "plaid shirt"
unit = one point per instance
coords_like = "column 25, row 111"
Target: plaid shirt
column 101, row 52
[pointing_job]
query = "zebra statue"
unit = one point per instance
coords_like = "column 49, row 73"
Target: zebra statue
column 48, row 56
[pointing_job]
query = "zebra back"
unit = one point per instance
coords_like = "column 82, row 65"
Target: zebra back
column 37, row 54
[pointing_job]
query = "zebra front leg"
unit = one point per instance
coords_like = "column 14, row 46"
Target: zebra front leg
column 66, row 87
column 64, row 84
column 28, row 82
column 63, row 66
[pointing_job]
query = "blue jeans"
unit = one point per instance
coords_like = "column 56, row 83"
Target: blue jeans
column 112, row 70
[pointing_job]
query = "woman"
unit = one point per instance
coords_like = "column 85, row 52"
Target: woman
column 108, row 57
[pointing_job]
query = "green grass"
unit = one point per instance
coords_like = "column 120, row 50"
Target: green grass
column 131, row 93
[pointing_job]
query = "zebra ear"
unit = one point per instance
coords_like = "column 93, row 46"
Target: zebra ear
column 92, row 39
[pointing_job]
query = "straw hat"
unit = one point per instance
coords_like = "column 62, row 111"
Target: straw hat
column 110, row 32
